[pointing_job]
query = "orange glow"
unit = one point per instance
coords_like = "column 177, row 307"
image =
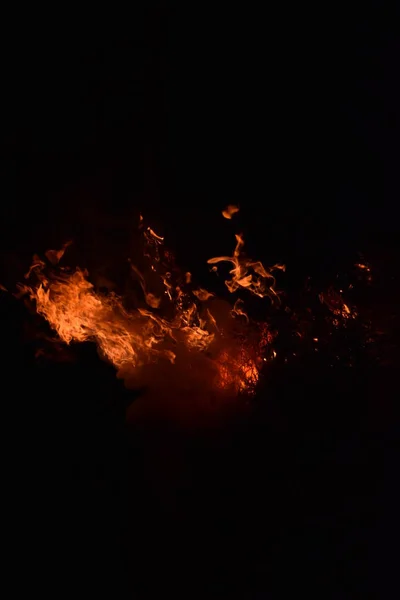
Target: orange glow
column 236, row 372
column 334, row 301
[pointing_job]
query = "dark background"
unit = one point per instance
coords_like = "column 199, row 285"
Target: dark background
column 293, row 115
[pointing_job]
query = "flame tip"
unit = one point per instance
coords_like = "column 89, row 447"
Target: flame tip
column 230, row 210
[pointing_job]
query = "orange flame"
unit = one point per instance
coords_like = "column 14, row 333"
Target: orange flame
column 249, row 274
column 135, row 337
column 229, row 211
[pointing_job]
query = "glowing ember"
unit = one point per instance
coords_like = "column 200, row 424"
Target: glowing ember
column 362, row 267
column 238, row 372
column 334, row 301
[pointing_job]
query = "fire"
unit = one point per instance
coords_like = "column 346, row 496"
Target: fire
column 173, row 319
column 164, row 330
column 77, row 313
column 229, row 211
column 249, row 274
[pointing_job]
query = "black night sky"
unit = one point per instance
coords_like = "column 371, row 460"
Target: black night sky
column 293, row 114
